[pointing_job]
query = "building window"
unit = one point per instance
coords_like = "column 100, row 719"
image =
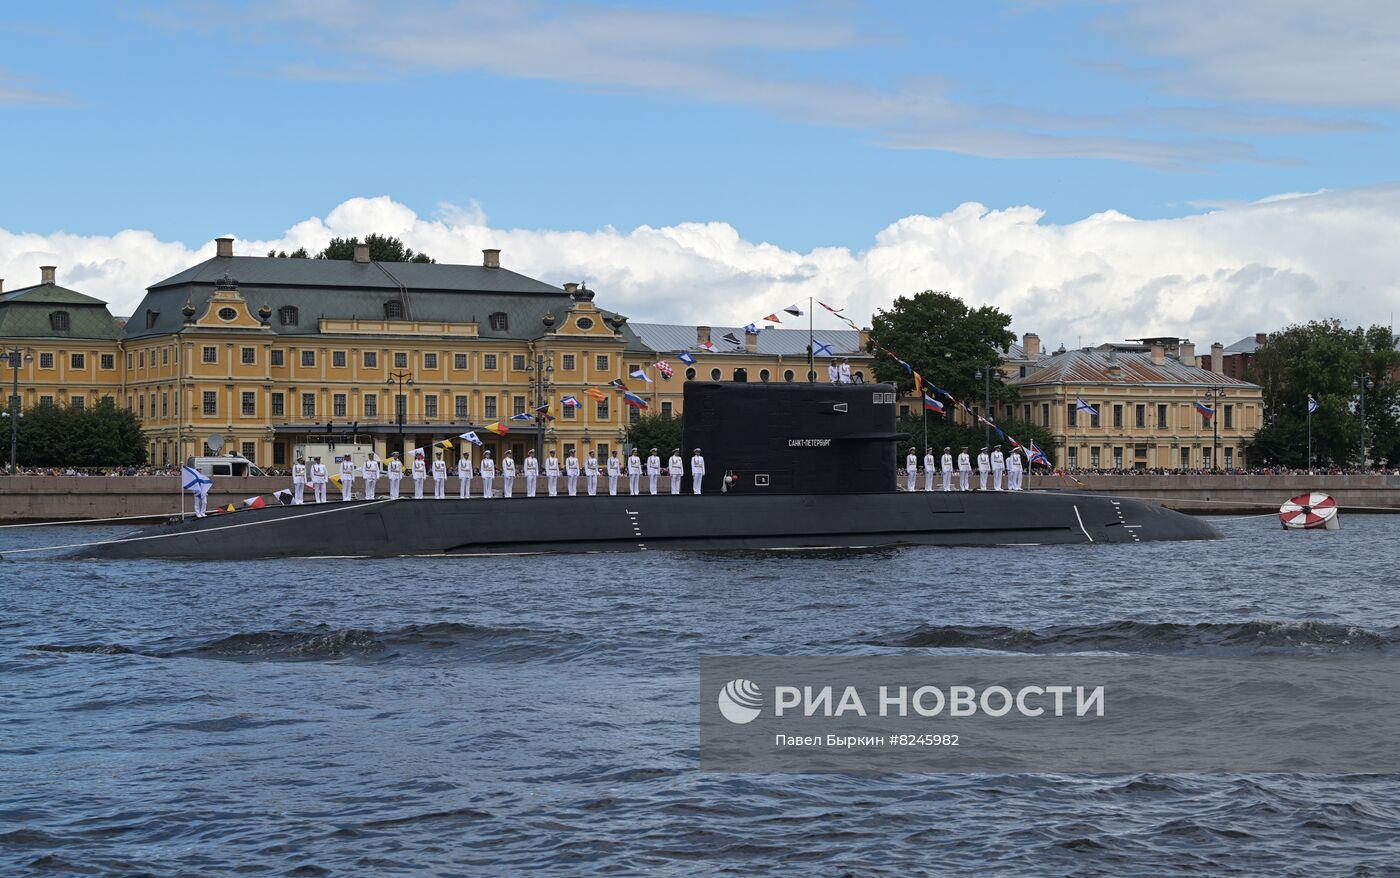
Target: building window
column 338, row 359
column 1185, row 458
column 569, row 362
column 1072, row 414
column 1161, row 416
column 715, row 373
column 430, row 409
column 567, row 412
column 211, row 402
column 763, row 375
column 1118, row 457
column 250, row 450
column 308, row 357
column 165, row 405
column 78, row 403
column 1229, row 424
column 279, row 454
column 288, row 315
column 58, row 321
column 601, row 412
column 1205, row 458
column 1229, row 458
column 45, row 361
column 430, row 361
column 1094, row 457
column 1140, row 416
column 209, row 355
column 462, row 410
column 1073, row 456
column 1045, row 415
column 1094, row 416
column 600, row 362
column 459, row 361
column 141, row 359
column 787, row 375
column 489, row 408
column 278, row 358
column 634, row 415
column 308, row 405
column 370, row 403
column 584, row 323
column 393, row 310
column 249, row 356
column 107, row 361
column 517, row 405
column 79, row 361
column 279, row 405
column 47, row 401
column 400, row 359
column 338, row 405
column 151, row 317
column 371, row 359
column 250, row 404
column 165, row 356
column 227, row 314
column 517, row 362
column 499, row 322
column 690, row 374
column 488, row 362
column 1205, row 421
column 666, row 409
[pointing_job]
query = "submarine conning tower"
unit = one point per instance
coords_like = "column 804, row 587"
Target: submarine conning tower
column 794, row 438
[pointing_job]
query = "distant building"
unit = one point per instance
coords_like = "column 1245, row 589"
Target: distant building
column 1235, row 360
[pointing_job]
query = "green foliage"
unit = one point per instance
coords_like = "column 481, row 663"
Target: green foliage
column 298, row 253
column 946, row 342
column 60, row 436
column 942, row 434
column 1324, row 359
column 658, row 431
column 382, row 248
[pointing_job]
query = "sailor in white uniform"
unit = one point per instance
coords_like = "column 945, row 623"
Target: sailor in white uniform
column 998, row 468
column 590, row 474
column 464, row 476
column 551, row 473
column 532, row 472
column 833, row 372
column 964, row 468
column 947, row 466
column 371, row 475
column 614, row 473
column 845, row 371
column 419, row 473
column 571, row 473
column 319, row 477
column 675, row 468
column 697, row 470
column 984, row 468
column 1014, row 470
column 347, row 478
column 508, row 476
column 653, row 471
column 298, row 480
column 634, row 474
column 439, row 477
column 395, row 470
column 488, row 474
column 911, row 470
column 930, row 467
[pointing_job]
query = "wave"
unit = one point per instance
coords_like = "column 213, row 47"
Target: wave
column 1155, row 638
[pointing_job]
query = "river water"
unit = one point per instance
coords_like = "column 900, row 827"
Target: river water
column 496, row 715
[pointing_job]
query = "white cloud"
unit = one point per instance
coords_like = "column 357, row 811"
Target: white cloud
column 1218, row 275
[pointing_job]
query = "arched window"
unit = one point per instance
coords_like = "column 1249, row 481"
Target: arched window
column 763, row 375
column 714, row 374
column 860, row 377
column 741, row 374
column 690, row 374
column 287, row 315
column 393, row 310
column 58, row 321
column 787, row 376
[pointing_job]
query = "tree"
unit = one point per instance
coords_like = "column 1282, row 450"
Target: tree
column 659, row 431
column 1324, row 359
column 382, row 248
column 946, row 342
column 298, row 253
column 101, row 436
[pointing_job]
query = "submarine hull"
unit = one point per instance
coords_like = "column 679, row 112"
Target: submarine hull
column 394, row 528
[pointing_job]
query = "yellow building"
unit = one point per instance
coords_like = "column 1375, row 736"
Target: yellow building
column 1144, row 400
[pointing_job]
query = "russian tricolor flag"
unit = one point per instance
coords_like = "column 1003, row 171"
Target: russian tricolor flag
column 932, row 405
column 1205, row 409
column 633, row 400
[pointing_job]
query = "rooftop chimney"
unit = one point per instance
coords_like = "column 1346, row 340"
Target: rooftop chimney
column 751, row 341
column 1261, row 337
column 1159, row 354
column 1115, row 369
column 864, row 336
column 362, row 254
column 702, row 335
column 2, row 285
column 1031, row 342
column 1186, row 353
column 223, row 246
column 1217, row 357
column 491, row 258
column 46, row 274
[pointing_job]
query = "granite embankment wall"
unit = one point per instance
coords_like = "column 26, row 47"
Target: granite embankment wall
column 67, row 498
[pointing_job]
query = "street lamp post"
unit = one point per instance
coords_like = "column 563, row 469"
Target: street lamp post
column 16, row 355
column 985, row 373
column 1362, row 382
column 541, row 382
column 1215, row 394
column 400, row 401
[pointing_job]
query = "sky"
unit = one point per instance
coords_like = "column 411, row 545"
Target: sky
column 1098, row 170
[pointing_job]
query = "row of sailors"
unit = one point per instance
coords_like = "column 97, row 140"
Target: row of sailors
column 993, row 465
column 318, row 475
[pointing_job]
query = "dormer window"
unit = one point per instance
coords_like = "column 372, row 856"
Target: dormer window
column 287, row 315
column 499, row 322
column 58, row 321
column 393, row 310
column 151, row 316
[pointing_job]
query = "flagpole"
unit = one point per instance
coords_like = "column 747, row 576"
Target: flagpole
column 1309, row 432
column 811, row 345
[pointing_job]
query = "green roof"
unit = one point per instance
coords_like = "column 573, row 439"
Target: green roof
column 25, row 313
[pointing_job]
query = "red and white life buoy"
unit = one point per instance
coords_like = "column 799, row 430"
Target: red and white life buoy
column 1309, row 511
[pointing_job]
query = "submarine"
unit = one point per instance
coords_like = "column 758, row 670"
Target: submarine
column 788, row 467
